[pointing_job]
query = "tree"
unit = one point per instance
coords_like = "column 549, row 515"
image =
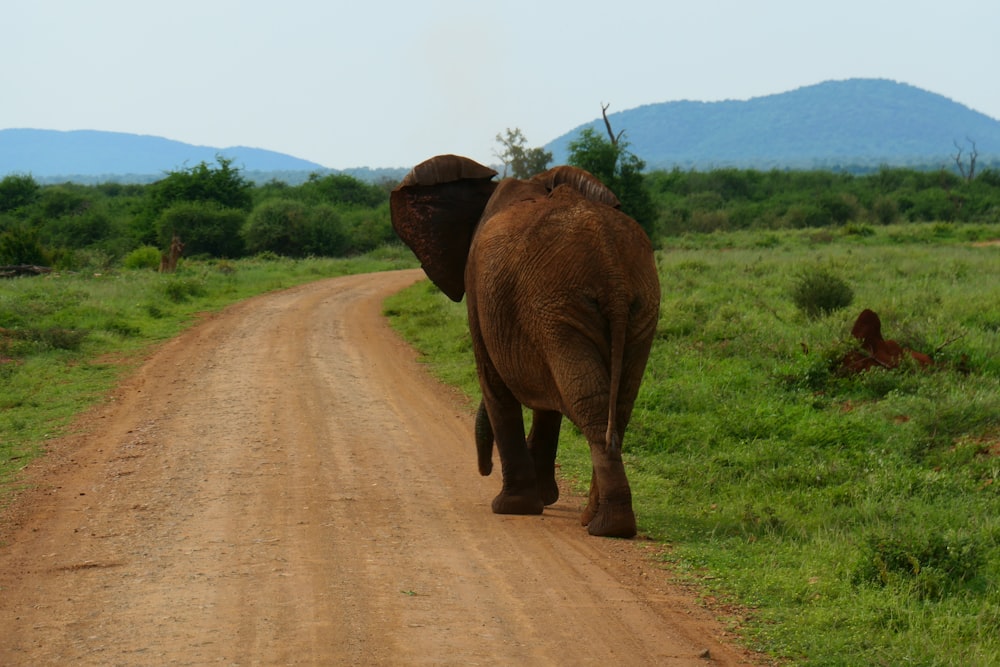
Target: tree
column 325, row 232
column 617, row 167
column 523, row 162
column 204, row 228
column 17, row 190
column 342, row 189
column 277, row 226
column 20, row 245
column 224, row 186
column 968, row 173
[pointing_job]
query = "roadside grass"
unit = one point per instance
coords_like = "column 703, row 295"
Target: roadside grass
column 66, row 339
column 830, row 519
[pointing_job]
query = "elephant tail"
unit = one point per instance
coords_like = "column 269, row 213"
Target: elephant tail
column 619, row 328
column 484, row 440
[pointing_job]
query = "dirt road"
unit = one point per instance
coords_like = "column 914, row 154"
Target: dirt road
column 284, row 485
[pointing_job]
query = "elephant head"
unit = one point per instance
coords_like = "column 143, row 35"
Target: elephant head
column 437, row 206
column 435, row 210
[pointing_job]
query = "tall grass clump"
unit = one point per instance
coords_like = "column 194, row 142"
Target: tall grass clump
column 830, row 518
column 818, row 291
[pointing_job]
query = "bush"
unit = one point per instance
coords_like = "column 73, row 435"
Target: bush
column 934, row 565
column 885, row 210
column 327, row 236
column 934, row 205
column 179, row 290
column 78, row 230
column 708, row 221
column 367, row 230
column 343, row 189
column 145, row 257
column 17, row 190
column 841, row 208
column 21, row 246
column 278, row 226
column 204, row 227
column 800, row 216
column 224, row 186
column 819, row 291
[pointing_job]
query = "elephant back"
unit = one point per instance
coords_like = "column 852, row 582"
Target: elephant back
column 580, row 180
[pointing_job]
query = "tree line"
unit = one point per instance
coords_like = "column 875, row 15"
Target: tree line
column 668, row 203
column 218, row 212
column 214, row 209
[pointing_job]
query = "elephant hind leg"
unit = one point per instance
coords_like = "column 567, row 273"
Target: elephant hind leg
column 609, row 509
column 613, row 519
column 543, row 441
column 519, row 493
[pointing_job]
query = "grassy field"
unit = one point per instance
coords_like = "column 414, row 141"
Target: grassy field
column 66, row 339
column 830, row 519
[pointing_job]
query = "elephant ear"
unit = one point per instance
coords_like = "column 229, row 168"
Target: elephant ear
column 435, row 210
column 580, row 180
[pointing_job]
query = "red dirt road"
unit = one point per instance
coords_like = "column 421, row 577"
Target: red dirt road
column 284, row 485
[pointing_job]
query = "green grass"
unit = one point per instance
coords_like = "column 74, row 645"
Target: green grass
column 67, row 339
column 850, row 520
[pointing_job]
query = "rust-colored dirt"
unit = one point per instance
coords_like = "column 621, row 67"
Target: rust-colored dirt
column 284, row 485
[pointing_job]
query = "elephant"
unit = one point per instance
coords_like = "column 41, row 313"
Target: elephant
column 563, row 297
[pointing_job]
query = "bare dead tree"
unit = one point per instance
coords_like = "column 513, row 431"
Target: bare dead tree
column 968, row 173
column 607, row 123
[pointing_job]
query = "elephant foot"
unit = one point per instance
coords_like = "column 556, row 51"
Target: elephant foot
column 549, row 491
column 611, row 520
column 517, row 503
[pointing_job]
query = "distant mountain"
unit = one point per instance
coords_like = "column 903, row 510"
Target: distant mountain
column 852, row 123
column 90, row 153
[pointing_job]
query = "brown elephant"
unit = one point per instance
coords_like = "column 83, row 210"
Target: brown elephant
column 563, row 300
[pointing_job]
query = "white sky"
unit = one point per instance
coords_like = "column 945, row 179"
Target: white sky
column 388, row 84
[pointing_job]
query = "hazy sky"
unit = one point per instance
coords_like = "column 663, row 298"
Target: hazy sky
column 387, row 84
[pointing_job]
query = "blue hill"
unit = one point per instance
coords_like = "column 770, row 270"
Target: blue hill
column 851, row 123
column 49, row 153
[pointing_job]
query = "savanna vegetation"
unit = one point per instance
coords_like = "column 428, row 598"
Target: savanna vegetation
column 213, row 209
column 830, row 517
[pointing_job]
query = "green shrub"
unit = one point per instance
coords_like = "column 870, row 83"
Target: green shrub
column 22, row 342
column 204, row 227
column 20, row 245
column 934, row 564
column 819, row 291
column 708, row 221
column 179, row 290
column 807, row 215
column 885, row 210
column 858, row 229
column 326, row 232
column 278, row 226
column 17, row 190
column 145, row 257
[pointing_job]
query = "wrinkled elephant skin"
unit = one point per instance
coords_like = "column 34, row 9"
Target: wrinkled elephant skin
column 563, row 299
